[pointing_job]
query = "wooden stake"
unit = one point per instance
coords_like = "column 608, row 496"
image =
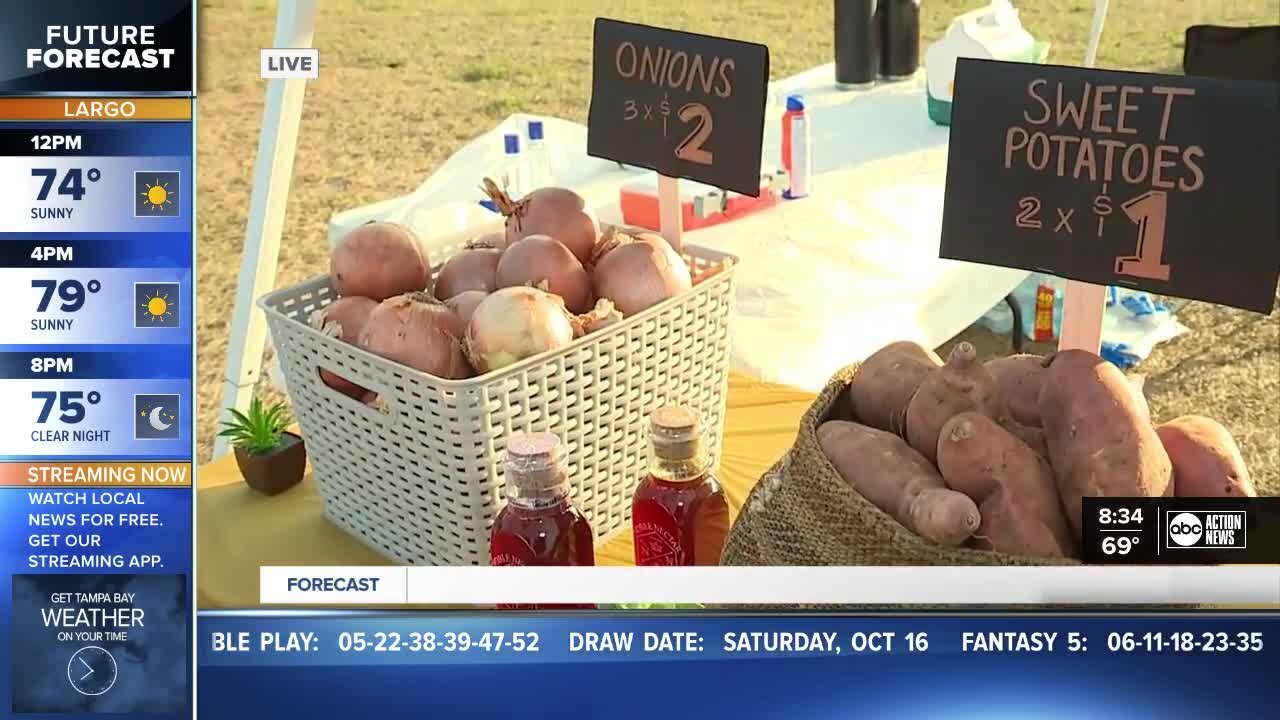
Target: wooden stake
column 1082, row 307
column 1084, row 303
column 670, row 211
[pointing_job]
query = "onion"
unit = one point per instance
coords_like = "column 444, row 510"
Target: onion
column 558, row 212
column 545, row 263
column 344, row 319
column 464, row 304
column 496, row 239
column 601, row 316
column 415, row 330
column 379, row 260
column 513, row 324
column 639, row 271
column 474, row 269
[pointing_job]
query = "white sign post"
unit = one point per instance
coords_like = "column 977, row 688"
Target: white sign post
column 670, row 211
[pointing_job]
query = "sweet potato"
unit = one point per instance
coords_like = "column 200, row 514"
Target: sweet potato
column 899, row 481
column 1206, row 459
column 880, row 392
column 1137, row 385
column 1012, row 485
column 1019, row 377
column 959, row 385
column 1033, row 437
column 1101, row 441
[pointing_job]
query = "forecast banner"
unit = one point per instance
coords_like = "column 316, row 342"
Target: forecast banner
column 96, row 368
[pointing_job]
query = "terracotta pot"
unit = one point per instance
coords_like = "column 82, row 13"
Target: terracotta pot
column 277, row 471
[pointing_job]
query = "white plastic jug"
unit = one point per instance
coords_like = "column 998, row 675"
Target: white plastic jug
column 997, row 29
column 993, row 32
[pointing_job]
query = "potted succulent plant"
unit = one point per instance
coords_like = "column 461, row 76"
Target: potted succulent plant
column 271, row 459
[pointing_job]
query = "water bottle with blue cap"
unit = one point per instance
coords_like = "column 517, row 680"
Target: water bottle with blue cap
column 541, row 172
column 512, row 173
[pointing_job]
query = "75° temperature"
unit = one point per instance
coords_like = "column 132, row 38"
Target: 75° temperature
column 70, row 404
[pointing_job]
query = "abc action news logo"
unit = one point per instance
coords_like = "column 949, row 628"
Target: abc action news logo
column 1206, row 529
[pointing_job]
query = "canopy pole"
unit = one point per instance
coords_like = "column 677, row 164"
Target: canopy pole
column 1095, row 32
column 272, row 174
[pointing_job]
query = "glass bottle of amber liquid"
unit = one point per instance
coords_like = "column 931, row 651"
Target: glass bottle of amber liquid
column 539, row 524
column 679, row 515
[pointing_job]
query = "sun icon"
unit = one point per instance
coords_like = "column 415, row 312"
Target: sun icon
column 158, row 195
column 158, row 307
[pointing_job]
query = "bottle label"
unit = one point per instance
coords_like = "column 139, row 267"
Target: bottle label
column 509, row 549
column 1045, row 299
column 711, row 529
column 657, row 536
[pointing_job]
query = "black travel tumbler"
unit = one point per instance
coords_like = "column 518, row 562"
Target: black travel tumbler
column 900, row 38
column 857, row 43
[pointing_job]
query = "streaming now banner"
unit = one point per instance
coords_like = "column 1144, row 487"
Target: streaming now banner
column 641, row 665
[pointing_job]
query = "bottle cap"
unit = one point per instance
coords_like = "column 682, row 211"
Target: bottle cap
column 511, row 143
column 795, row 103
column 534, row 463
column 676, row 432
column 535, row 129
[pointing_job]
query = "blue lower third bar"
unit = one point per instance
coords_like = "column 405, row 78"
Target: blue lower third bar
column 642, row 665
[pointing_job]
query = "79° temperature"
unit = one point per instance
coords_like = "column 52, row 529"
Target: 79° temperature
column 71, row 293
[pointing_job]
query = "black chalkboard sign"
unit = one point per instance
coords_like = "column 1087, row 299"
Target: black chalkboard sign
column 685, row 105
column 1162, row 183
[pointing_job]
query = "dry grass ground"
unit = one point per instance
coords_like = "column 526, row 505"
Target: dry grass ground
column 405, row 82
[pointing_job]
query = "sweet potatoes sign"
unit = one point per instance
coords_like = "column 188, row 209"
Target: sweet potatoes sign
column 685, row 105
column 1162, row 183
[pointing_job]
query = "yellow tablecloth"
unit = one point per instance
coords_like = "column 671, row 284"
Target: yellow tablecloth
column 240, row 530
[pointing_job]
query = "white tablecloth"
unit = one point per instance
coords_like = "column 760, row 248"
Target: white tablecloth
column 825, row 280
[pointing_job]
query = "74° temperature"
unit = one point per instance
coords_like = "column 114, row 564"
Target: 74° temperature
column 72, row 184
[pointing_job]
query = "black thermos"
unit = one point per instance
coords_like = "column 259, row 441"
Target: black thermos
column 857, row 43
column 900, row 38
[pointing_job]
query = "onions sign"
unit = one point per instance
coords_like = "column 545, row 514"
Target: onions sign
column 686, row 105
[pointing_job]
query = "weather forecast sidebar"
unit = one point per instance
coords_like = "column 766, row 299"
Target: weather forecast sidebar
column 96, row 357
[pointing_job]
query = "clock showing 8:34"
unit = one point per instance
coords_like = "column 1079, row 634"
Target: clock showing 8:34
column 91, row 670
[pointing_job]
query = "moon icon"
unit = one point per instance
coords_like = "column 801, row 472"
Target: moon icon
column 154, row 418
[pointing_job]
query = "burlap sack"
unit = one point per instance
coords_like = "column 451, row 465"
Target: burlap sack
column 801, row 512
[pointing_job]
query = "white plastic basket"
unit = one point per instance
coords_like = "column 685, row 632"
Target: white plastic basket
column 420, row 481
